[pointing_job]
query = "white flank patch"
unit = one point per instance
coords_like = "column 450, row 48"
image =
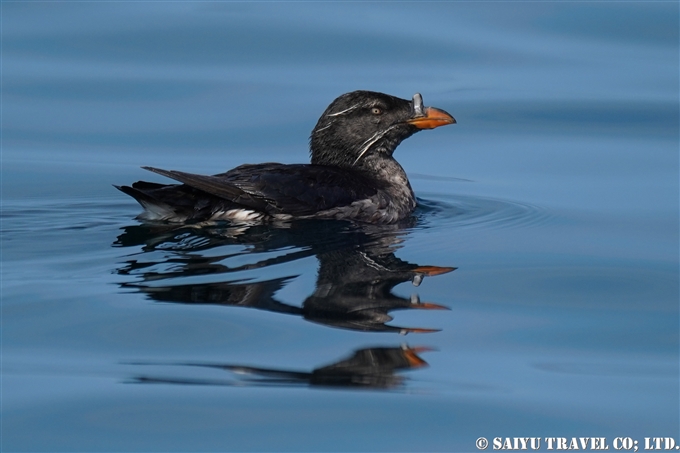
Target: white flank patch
column 242, row 215
column 155, row 212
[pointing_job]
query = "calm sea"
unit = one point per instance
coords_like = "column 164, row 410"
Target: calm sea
column 555, row 198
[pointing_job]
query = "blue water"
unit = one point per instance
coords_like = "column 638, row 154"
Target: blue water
column 555, row 197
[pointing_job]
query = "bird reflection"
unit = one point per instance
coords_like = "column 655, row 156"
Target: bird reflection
column 357, row 269
column 375, row 368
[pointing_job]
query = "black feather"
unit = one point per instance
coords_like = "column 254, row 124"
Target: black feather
column 353, row 174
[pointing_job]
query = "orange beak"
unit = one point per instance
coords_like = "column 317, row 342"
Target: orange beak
column 432, row 118
column 407, row 330
column 429, row 306
column 411, row 356
column 432, row 270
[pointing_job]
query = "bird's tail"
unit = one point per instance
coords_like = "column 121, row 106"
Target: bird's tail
column 154, row 209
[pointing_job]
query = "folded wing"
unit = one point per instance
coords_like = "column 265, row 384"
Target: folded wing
column 273, row 189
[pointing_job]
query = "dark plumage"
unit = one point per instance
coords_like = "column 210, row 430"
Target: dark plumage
column 352, row 175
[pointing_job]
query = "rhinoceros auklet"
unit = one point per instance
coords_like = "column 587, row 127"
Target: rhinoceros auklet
column 352, row 175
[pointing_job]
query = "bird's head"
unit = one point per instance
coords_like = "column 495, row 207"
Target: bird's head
column 359, row 126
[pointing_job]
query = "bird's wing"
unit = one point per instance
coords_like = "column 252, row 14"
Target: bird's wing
column 281, row 189
column 214, row 185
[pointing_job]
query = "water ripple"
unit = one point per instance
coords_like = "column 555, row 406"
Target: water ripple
column 463, row 211
column 436, row 210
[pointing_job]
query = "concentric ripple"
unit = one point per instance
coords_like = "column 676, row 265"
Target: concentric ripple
column 463, row 211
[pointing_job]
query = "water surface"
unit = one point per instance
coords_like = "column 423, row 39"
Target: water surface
column 533, row 293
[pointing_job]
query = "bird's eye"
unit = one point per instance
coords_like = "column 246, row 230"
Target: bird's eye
column 376, row 111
